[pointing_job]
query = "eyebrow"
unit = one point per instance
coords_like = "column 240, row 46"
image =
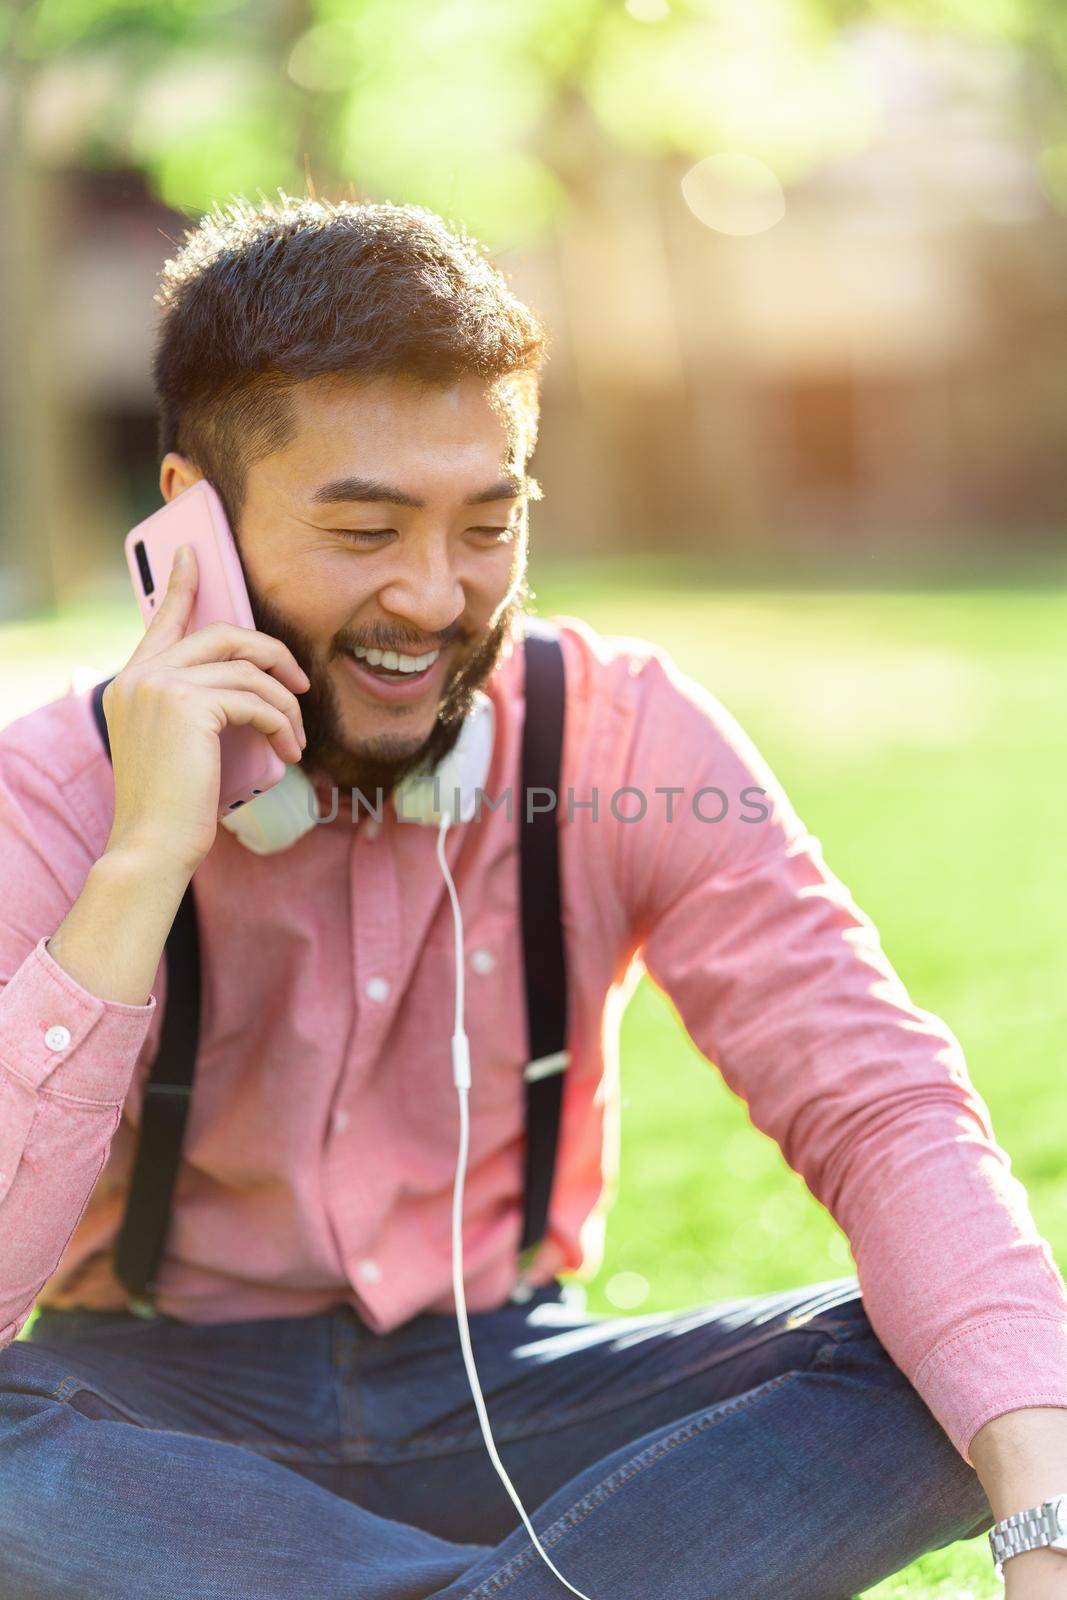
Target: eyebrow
column 343, row 490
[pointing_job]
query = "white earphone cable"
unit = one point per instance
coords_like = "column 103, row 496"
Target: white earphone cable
column 461, row 1073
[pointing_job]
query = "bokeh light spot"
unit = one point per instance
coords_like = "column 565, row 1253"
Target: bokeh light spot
column 321, row 59
column 626, row 1290
column 649, row 10
column 734, row 193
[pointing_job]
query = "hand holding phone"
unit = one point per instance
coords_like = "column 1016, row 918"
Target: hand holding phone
column 187, row 689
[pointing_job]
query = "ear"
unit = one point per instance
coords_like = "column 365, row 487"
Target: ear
column 175, row 474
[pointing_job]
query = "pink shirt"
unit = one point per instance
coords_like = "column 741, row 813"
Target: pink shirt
column 321, row 1146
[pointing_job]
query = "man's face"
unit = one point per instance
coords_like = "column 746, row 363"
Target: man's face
column 394, row 520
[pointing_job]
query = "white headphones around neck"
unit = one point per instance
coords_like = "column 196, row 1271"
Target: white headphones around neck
column 276, row 819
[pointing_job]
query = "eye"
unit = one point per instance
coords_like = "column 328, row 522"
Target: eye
column 497, row 535
column 371, row 537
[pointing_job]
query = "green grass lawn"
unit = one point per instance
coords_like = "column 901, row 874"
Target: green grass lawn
column 921, row 736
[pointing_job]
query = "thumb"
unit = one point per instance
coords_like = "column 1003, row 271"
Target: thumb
column 176, row 607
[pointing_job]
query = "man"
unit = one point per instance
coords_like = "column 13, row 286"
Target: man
column 292, row 1417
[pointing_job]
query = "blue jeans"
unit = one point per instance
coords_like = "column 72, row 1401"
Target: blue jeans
column 753, row 1448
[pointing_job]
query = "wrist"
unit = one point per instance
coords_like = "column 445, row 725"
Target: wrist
column 1035, row 1575
column 111, row 940
column 144, row 860
column 1029, row 1549
column 1021, row 1458
column 1021, row 1461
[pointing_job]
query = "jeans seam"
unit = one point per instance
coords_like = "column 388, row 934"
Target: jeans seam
column 619, row 1479
column 845, row 1330
column 345, row 1370
column 73, row 1384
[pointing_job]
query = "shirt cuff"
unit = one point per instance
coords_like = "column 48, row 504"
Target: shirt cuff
column 54, row 1033
column 993, row 1367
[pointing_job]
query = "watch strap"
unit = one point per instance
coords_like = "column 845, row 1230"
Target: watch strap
column 1035, row 1529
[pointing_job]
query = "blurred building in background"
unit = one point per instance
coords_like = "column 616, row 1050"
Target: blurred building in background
column 858, row 368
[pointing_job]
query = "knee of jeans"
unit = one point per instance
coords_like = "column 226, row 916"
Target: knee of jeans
column 951, row 1491
column 956, row 1501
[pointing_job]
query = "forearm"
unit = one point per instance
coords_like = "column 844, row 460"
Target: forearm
column 111, row 940
column 1021, row 1460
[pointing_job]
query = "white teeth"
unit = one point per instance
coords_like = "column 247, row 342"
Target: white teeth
column 392, row 661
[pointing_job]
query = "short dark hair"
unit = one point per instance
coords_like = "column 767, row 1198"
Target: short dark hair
column 261, row 297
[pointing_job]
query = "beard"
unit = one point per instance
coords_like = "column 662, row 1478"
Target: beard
column 379, row 764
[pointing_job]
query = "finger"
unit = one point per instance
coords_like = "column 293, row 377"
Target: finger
column 227, row 641
column 244, row 675
column 242, row 709
column 176, row 607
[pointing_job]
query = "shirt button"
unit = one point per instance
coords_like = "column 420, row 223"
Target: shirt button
column 340, row 1121
column 370, row 827
column 57, row 1038
column 376, row 989
column 483, row 961
column 371, row 1271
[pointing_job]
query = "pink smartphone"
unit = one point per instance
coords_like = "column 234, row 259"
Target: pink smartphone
column 249, row 762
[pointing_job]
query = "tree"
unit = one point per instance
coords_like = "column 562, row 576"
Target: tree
column 503, row 115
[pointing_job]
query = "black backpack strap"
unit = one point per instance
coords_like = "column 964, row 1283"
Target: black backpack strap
column 542, row 925
column 166, row 1098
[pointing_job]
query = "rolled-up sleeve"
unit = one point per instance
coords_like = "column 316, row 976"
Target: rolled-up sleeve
column 781, row 981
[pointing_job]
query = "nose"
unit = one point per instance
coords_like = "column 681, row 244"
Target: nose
column 425, row 591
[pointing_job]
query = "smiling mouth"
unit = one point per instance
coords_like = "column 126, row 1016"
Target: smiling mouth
column 393, row 665
column 399, row 685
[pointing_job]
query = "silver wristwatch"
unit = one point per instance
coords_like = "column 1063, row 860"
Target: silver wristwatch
column 1043, row 1526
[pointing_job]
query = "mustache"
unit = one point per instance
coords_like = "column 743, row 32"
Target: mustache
column 417, row 647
